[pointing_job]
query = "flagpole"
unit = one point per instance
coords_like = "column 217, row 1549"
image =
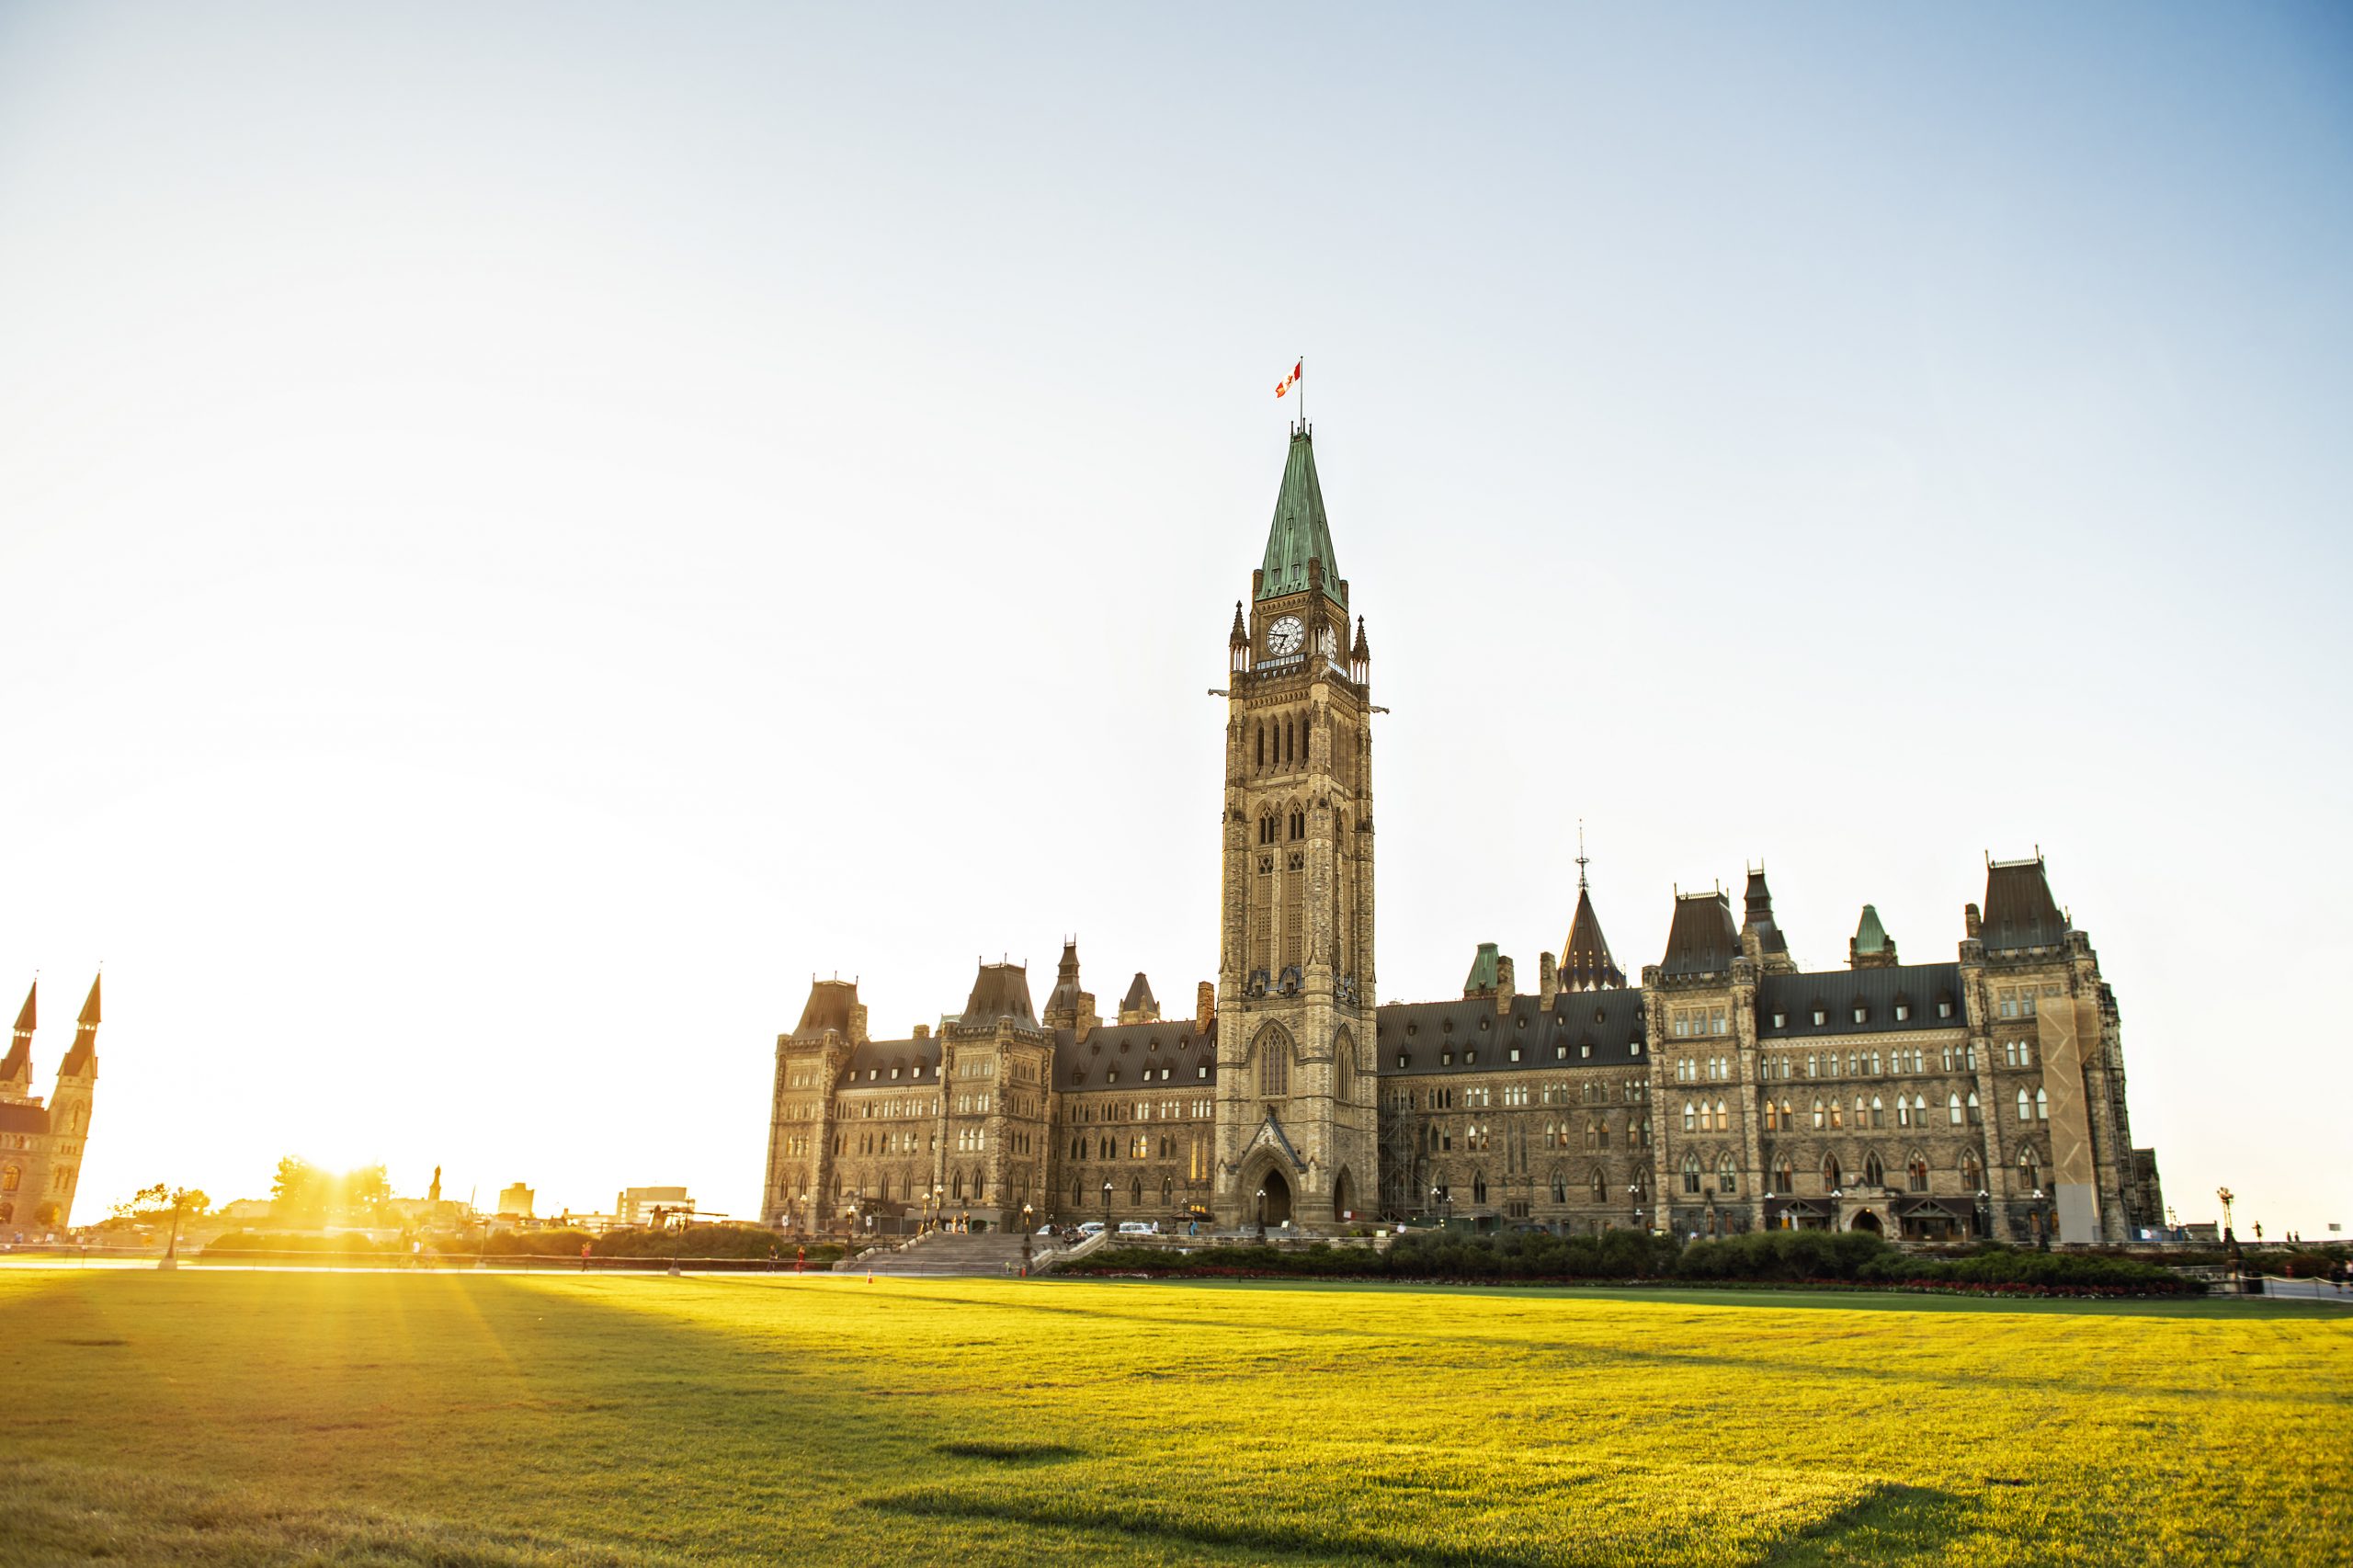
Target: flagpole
column 1302, row 394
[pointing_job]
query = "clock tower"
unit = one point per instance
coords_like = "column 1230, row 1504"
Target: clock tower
column 1297, row 1087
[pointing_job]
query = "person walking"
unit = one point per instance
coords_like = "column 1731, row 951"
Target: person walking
column 584, row 1257
column 800, row 1257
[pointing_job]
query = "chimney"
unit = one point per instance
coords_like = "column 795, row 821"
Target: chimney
column 1548, row 979
column 1204, row 1007
column 1970, row 920
column 923, row 1031
column 1503, row 983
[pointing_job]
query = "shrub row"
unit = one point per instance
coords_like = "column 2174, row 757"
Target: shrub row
column 1849, row 1257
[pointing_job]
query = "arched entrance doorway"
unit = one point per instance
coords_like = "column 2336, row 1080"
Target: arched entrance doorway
column 1271, row 1200
column 1343, row 1196
column 1866, row 1220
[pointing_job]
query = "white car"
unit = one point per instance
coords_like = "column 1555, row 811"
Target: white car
column 1137, row 1228
column 1091, row 1228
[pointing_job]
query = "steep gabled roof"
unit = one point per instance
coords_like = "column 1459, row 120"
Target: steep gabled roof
column 1000, row 990
column 2019, row 910
column 1701, row 940
column 1139, row 997
column 1484, row 971
column 829, row 1008
column 1300, row 532
column 1586, row 964
column 1871, row 936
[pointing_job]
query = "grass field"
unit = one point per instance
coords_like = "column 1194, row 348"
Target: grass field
column 230, row 1418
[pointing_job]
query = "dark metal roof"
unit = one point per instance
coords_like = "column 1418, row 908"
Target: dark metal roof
column 1138, row 996
column 1300, row 532
column 1701, row 940
column 1837, row 992
column 1757, row 914
column 870, row 1064
column 1586, row 964
column 1585, row 1028
column 1134, row 1051
column 18, row 1117
column 2019, row 910
column 1064, row 996
column 1000, row 990
column 829, row 1006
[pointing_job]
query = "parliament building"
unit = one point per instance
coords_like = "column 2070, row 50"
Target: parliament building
column 41, row 1145
column 1981, row 1095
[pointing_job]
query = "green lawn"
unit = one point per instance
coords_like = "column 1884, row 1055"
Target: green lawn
column 235, row 1417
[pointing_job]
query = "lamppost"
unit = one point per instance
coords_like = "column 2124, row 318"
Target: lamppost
column 939, row 1202
column 1262, row 1214
column 1432, row 1209
column 2042, row 1224
column 1634, row 1204
column 2228, row 1198
column 1984, row 1213
column 1106, row 1206
column 1837, row 1198
column 1025, row 1241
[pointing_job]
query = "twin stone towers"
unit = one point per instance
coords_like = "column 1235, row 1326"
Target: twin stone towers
column 1288, row 1096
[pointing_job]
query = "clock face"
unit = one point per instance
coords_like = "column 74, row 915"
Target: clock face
column 1285, row 635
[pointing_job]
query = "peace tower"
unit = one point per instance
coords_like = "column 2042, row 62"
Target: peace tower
column 1296, row 1086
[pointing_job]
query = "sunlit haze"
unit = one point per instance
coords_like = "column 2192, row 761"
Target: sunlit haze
column 528, row 531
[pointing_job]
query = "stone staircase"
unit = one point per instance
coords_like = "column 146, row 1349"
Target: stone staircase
column 997, row 1253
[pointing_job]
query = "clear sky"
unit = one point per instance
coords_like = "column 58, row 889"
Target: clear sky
column 528, row 530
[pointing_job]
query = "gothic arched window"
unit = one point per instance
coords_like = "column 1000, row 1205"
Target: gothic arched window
column 1274, row 1062
column 1830, row 1172
column 1691, row 1173
column 1874, row 1173
column 1727, row 1176
column 1917, row 1171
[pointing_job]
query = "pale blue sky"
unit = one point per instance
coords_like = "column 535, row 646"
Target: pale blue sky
column 524, row 531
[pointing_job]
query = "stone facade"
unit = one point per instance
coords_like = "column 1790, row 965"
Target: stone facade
column 1728, row 1091
column 41, row 1145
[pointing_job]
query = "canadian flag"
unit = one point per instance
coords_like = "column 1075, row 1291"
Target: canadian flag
column 1290, row 380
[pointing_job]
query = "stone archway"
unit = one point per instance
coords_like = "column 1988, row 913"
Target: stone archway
column 1866, row 1220
column 1343, row 1196
column 1274, row 1207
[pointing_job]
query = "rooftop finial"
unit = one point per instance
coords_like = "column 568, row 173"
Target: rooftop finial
column 1581, row 855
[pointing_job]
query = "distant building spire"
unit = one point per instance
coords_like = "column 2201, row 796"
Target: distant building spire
column 1299, row 541
column 81, row 1061
column 17, row 1067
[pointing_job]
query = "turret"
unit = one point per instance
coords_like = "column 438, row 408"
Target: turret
column 69, row 1115
column 1870, row 947
column 1586, row 964
column 1360, row 657
column 1237, row 645
column 1069, row 1006
column 1139, row 1006
column 1761, row 940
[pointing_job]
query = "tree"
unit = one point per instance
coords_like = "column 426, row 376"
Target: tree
column 296, row 1190
column 152, row 1205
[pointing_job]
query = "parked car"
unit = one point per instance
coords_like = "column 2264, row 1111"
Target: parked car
column 1137, row 1228
column 1091, row 1228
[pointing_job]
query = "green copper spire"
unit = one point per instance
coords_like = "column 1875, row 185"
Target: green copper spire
column 1300, row 532
column 1871, row 936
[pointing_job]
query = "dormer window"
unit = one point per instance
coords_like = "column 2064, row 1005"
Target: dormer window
column 1584, row 1051
column 1862, row 1014
column 1560, row 1054
column 1515, row 1053
column 1903, row 1011
column 1780, row 1020
column 1403, row 1060
column 1943, row 1008
column 1820, row 1018
column 1445, row 1059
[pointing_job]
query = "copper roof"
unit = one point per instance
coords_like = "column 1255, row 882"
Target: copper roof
column 2019, row 910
